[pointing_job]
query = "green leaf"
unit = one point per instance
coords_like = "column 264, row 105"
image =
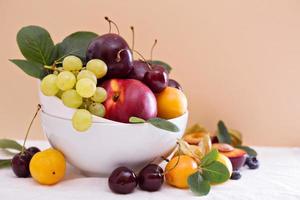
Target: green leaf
column 10, row 144
column 163, row 124
column 216, row 172
column 198, row 185
column 76, row 44
column 163, row 64
column 36, row 44
column 209, row 158
column 249, row 150
column 223, row 134
column 136, row 120
column 5, row 163
column 34, row 69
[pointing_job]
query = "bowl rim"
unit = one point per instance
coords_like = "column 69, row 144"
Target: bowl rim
column 108, row 121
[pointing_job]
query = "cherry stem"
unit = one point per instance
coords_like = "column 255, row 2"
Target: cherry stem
column 143, row 58
column 152, row 48
column 112, row 22
column 27, row 133
column 132, row 30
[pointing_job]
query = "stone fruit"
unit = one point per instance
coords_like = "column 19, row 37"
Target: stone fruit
column 179, row 169
column 171, row 103
column 48, row 167
column 139, row 70
column 225, row 161
column 236, row 156
column 214, row 139
column 20, row 164
column 157, row 80
column 194, row 138
column 174, row 84
column 223, row 147
column 127, row 98
column 33, row 150
column 122, row 180
column 252, row 162
column 113, row 50
column 151, row 178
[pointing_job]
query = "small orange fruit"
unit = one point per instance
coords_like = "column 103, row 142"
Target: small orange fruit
column 48, row 167
column 171, row 103
column 177, row 175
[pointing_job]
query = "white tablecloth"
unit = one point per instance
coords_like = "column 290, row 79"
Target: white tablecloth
column 277, row 178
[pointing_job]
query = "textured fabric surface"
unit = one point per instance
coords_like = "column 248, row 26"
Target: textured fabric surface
column 277, row 178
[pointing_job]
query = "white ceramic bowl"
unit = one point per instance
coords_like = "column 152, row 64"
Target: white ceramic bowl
column 107, row 144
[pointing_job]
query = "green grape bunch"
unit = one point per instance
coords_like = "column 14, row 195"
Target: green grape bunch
column 76, row 86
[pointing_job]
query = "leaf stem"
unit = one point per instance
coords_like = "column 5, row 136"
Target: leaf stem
column 27, row 132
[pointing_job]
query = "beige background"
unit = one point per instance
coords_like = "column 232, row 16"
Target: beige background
column 237, row 60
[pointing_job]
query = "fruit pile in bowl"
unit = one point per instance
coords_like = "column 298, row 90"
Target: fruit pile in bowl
column 95, row 94
column 112, row 115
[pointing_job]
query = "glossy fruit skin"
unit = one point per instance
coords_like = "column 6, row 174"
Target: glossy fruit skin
column 177, row 176
column 156, row 80
column 127, row 98
column 48, row 167
column 122, row 180
column 174, row 84
column 252, row 162
column 139, row 70
column 236, row 175
column 20, row 164
column 159, row 67
column 33, row 150
column 171, row 103
column 151, row 178
column 106, row 48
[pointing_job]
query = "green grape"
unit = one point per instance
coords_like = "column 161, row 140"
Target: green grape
column 87, row 74
column 48, row 85
column 98, row 67
column 97, row 109
column 100, row 95
column 72, row 63
column 71, row 98
column 65, row 80
column 82, row 120
column 59, row 93
column 85, row 87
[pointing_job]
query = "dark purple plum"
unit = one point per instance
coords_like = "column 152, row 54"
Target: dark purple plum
column 20, row 164
column 151, row 178
column 114, row 51
column 174, row 84
column 157, row 80
column 122, row 180
column 33, row 150
column 139, row 70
